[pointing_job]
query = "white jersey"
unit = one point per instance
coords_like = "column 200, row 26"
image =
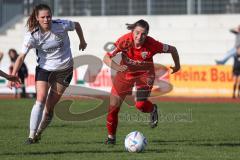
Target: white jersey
column 53, row 47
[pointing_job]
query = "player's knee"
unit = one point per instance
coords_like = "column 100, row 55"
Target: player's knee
column 115, row 102
column 41, row 98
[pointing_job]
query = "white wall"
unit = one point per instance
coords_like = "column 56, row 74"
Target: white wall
column 199, row 39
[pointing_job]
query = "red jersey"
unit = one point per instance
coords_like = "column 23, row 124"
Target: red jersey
column 137, row 59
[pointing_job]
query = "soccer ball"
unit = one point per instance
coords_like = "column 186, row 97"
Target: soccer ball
column 135, row 142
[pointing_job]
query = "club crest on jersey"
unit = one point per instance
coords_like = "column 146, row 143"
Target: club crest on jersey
column 144, row 55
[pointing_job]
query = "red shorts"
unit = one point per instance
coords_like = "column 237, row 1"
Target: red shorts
column 124, row 82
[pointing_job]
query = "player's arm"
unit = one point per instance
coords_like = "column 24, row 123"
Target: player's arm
column 79, row 31
column 10, row 77
column 108, row 59
column 3, row 74
column 173, row 51
column 28, row 43
column 119, row 46
column 17, row 66
column 112, row 64
column 159, row 47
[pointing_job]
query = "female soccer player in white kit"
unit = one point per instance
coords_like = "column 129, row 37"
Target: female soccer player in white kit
column 55, row 64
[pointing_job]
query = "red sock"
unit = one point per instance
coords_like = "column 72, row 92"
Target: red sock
column 144, row 106
column 112, row 119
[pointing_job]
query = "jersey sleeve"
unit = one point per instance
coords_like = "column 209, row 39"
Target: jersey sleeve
column 158, row 47
column 28, row 43
column 122, row 44
column 114, row 51
column 68, row 25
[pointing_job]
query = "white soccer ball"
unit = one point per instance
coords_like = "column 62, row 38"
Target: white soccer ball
column 135, row 142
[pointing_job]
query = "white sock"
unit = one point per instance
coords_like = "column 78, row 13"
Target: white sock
column 35, row 118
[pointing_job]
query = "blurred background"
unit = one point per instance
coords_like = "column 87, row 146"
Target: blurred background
column 198, row 28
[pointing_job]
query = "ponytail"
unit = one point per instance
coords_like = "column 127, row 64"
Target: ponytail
column 32, row 21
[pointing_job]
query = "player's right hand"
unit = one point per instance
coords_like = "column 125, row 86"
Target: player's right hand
column 122, row 68
column 82, row 45
column 175, row 69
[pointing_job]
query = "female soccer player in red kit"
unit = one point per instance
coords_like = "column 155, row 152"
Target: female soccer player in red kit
column 136, row 68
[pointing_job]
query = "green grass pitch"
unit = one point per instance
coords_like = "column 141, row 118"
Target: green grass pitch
column 186, row 131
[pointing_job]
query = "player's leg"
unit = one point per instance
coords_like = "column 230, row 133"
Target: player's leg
column 144, row 86
column 238, row 80
column 227, row 56
column 37, row 110
column 53, row 97
column 59, row 81
column 41, row 86
column 120, row 89
column 144, row 105
column 234, row 86
column 112, row 118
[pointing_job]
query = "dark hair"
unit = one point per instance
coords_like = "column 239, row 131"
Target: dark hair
column 32, row 21
column 13, row 59
column 142, row 23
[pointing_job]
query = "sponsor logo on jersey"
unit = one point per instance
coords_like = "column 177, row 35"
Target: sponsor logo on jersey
column 54, row 45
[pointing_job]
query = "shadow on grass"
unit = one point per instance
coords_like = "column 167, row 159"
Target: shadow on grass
column 79, row 125
column 108, row 150
column 194, row 142
column 219, row 144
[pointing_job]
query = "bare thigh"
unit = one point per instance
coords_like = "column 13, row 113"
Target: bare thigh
column 42, row 88
column 54, row 96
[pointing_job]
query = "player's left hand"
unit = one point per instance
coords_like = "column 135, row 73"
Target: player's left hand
column 12, row 84
column 82, row 45
column 175, row 69
column 13, row 78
